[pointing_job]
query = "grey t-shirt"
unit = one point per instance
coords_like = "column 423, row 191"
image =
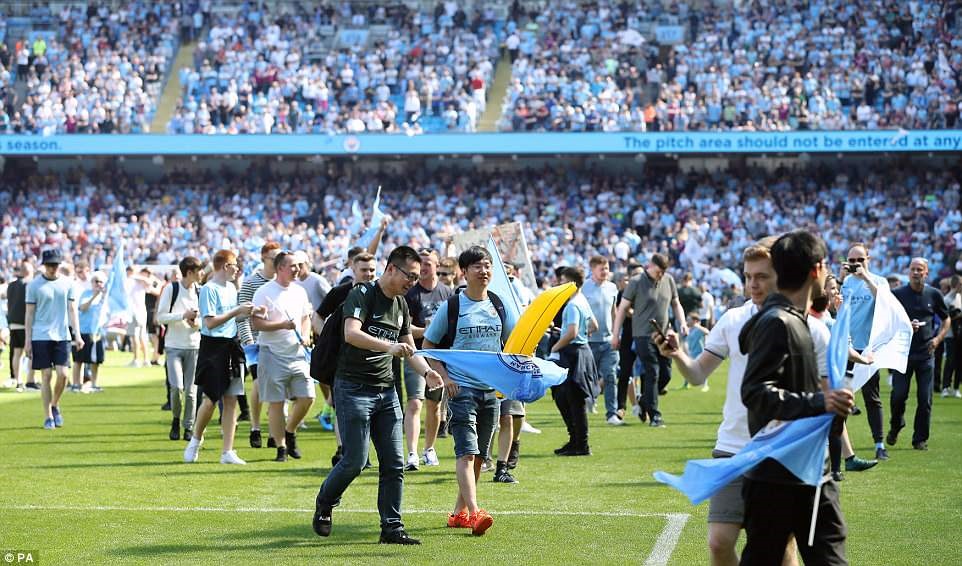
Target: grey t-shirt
column 651, row 301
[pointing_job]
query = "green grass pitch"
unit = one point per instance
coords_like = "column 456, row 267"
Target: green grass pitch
column 110, row 487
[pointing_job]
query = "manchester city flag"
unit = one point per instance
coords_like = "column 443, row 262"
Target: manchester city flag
column 522, row 378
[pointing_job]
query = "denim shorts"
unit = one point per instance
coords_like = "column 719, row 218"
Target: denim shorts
column 474, row 414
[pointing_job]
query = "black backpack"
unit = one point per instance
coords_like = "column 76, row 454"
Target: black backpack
column 328, row 346
column 454, row 308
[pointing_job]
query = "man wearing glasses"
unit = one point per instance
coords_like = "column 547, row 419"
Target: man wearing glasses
column 375, row 330
column 859, row 289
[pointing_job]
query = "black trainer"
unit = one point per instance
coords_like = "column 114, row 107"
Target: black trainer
column 164, row 407
column 175, row 429
column 270, row 442
column 291, row 440
column 188, row 434
column 256, row 439
column 244, row 416
column 443, row 430
column 322, row 519
column 564, row 448
column 575, row 451
column 513, row 455
column 892, row 437
column 397, row 537
column 502, row 475
column 281, row 454
column 920, row 445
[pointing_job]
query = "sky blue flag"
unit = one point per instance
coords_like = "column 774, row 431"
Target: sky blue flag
column 117, row 302
column 522, row 378
column 357, row 220
column 798, row 445
column 838, row 347
column 377, row 216
column 501, row 285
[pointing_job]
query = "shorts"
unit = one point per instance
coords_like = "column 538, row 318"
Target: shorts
column 283, row 377
column 92, row 352
column 727, row 505
column 18, row 338
column 474, row 414
column 415, row 386
column 138, row 320
column 510, row 407
column 50, row 353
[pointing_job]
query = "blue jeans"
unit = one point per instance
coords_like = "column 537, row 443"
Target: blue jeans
column 606, row 358
column 924, row 372
column 366, row 413
column 474, row 414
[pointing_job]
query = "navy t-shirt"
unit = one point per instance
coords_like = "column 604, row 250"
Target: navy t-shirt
column 922, row 306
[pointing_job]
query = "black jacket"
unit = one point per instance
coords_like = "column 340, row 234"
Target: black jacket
column 781, row 378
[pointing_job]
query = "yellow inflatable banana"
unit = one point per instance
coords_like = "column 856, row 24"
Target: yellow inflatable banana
column 536, row 318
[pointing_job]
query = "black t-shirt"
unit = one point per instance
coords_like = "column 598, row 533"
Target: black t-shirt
column 16, row 301
column 424, row 303
column 690, row 299
column 922, row 306
column 388, row 320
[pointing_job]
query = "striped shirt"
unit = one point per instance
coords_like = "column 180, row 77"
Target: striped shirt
column 244, row 331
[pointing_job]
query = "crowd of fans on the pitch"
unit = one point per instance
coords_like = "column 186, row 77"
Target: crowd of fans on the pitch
column 100, row 70
column 258, row 71
column 771, row 66
column 702, row 221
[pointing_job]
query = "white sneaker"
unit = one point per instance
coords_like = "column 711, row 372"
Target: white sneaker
column 635, row 410
column 430, row 457
column 946, row 392
column 591, row 406
column 958, row 394
column 231, row 457
column 413, row 462
column 192, row 451
column 526, row 427
column 613, row 420
column 133, row 364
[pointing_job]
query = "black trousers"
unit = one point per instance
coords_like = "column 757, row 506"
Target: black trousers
column 626, row 364
column 873, row 404
column 570, row 400
column 657, row 375
column 923, row 371
column 953, row 355
column 775, row 511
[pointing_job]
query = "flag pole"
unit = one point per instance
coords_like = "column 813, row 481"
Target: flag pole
column 818, row 496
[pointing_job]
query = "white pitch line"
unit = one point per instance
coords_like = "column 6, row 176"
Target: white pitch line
column 669, row 516
column 667, row 540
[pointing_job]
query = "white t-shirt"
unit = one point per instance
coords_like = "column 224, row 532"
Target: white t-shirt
column 722, row 342
column 283, row 303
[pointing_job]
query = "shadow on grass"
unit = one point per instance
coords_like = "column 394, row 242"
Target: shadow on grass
column 350, row 537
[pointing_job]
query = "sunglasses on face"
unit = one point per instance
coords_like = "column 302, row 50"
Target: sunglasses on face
column 856, row 260
column 445, row 273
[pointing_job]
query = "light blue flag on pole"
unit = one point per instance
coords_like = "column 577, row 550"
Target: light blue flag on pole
column 357, row 220
column 522, row 378
column 501, row 285
column 117, row 302
column 377, row 216
column 798, row 445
